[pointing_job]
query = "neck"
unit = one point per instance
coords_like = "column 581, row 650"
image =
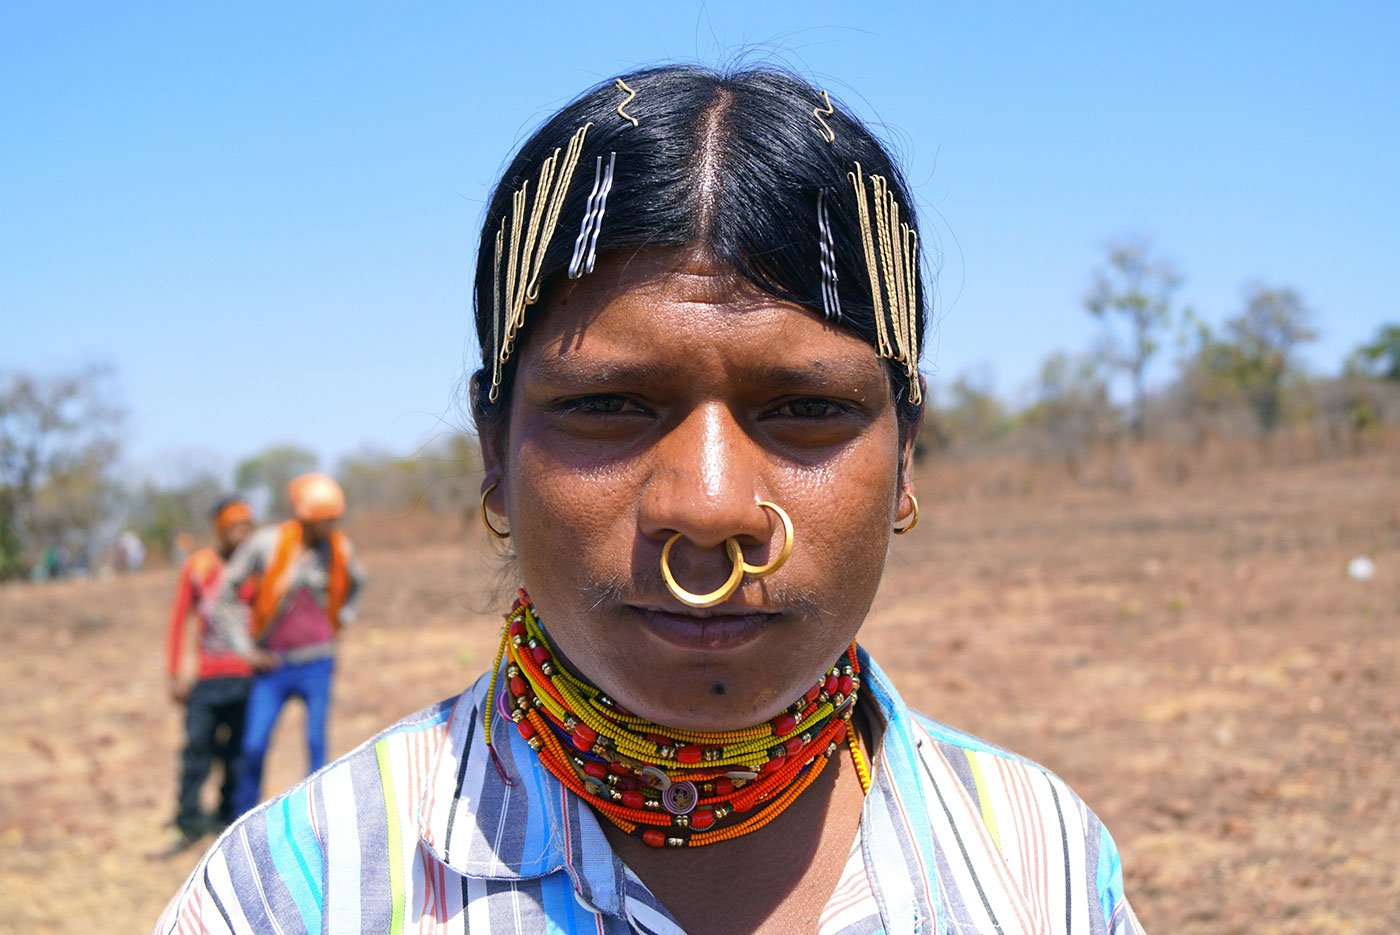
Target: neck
column 670, row 787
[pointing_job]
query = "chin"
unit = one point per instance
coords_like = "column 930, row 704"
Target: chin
column 709, row 697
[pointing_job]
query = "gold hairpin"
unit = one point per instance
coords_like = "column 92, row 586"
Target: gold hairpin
column 891, row 259
column 631, row 95
column 528, row 242
column 827, row 133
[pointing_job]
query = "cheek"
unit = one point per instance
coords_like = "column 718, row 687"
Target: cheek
column 572, row 523
column 843, row 528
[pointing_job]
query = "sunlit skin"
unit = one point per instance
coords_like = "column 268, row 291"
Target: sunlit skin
column 314, row 532
column 657, row 397
column 660, row 395
column 232, row 536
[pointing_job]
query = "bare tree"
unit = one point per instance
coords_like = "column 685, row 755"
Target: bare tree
column 161, row 513
column 272, row 469
column 59, row 441
column 974, row 414
column 1380, row 357
column 1132, row 295
column 1256, row 357
column 1071, row 411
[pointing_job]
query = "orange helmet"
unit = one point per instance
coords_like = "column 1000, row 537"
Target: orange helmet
column 316, row 496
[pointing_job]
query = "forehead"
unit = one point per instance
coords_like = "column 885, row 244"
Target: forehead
column 686, row 318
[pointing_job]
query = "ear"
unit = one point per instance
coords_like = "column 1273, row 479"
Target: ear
column 906, row 453
column 490, row 433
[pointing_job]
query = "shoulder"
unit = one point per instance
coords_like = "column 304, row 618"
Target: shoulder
column 262, row 541
column 1006, row 789
column 1004, row 833
column 272, row 864
column 988, row 773
column 201, row 563
column 1022, row 812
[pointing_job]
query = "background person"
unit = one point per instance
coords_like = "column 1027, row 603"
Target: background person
column 208, row 677
column 304, row 583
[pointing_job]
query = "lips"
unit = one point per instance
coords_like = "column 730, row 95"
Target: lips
column 714, row 629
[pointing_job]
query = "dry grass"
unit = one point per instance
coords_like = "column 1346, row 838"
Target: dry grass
column 1191, row 657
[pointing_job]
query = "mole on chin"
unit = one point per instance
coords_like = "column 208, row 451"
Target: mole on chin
column 718, row 688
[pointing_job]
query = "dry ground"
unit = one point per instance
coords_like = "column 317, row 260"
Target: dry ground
column 1192, row 659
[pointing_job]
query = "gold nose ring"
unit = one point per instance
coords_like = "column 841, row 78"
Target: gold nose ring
column 762, row 571
column 717, row 596
column 736, row 556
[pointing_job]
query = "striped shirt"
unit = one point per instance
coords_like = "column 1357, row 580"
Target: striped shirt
column 415, row 831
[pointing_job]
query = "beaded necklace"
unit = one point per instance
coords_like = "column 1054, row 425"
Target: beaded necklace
column 668, row 787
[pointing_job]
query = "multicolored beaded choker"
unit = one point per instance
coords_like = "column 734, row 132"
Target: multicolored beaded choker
column 671, row 788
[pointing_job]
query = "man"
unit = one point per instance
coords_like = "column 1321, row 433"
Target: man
column 700, row 452
column 208, row 678
column 304, row 581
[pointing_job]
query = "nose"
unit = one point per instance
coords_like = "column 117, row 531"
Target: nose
column 706, row 481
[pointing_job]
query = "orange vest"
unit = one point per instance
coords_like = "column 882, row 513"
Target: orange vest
column 273, row 585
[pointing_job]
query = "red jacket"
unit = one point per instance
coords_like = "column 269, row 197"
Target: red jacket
column 197, row 591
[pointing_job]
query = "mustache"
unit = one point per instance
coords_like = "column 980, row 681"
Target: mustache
column 648, row 585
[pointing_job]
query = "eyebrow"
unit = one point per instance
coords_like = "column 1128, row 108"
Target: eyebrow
column 569, row 371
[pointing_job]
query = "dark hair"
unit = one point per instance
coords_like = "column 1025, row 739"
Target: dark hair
column 730, row 162
column 223, row 503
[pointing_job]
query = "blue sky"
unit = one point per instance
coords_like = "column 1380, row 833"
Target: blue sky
column 266, row 217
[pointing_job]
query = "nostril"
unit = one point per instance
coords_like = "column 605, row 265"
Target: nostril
column 785, row 550
column 708, row 598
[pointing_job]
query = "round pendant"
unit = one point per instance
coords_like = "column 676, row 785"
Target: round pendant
column 503, row 703
column 680, row 798
column 655, row 778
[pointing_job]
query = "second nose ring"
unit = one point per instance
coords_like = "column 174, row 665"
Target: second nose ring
column 736, row 555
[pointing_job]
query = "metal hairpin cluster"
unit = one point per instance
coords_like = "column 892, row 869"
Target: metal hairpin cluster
column 892, row 260
column 525, row 249
column 523, row 239
column 586, row 245
column 831, row 296
column 891, row 250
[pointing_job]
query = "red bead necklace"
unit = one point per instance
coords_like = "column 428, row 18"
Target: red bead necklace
column 669, row 787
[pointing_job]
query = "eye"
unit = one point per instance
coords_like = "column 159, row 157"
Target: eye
column 810, row 407
column 601, row 405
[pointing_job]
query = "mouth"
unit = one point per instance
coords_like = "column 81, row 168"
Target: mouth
column 712, row 629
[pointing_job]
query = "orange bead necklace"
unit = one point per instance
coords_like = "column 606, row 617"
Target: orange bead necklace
column 671, row 788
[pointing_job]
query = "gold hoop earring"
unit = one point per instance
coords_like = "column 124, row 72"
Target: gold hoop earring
column 762, row 571
column 913, row 518
column 486, row 517
column 717, row 596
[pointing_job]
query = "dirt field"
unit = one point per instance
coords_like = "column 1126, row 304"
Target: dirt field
column 1193, row 660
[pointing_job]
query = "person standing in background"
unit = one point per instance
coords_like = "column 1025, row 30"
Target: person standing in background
column 303, row 582
column 209, row 678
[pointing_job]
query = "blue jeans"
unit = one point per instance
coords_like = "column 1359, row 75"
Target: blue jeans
column 309, row 681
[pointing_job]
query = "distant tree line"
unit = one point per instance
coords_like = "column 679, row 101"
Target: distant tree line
column 60, row 438
column 1243, row 379
column 62, row 502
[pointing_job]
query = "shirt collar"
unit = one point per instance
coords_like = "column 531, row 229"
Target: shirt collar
column 480, row 826
column 896, row 837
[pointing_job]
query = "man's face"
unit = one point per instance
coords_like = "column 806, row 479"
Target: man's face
column 656, row 397
column 319, row 530
column 232, row 535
